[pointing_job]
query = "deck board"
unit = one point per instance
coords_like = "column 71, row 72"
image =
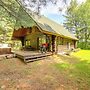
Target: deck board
column 28, row 56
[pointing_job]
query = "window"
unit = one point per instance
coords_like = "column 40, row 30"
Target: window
column 60, row 41
column 27, row 42
column 42, row 39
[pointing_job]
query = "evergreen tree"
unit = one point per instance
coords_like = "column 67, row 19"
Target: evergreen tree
column 77, row 19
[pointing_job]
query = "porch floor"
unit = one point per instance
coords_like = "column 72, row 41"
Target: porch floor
column 28, row 56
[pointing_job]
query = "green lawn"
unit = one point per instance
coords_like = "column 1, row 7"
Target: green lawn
column 83, row 55
column 77, row 68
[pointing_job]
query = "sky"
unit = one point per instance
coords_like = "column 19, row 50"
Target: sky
column 52, row 11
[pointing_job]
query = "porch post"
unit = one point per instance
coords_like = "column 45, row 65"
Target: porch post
column 69, row 47
column 22, row 41
column 75, row 44
column 54, row 44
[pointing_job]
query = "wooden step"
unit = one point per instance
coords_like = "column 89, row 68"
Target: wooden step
column 33, row 57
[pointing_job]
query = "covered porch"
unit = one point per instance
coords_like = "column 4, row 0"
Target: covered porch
column 32, row 38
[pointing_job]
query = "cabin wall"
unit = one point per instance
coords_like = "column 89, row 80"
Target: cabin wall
column 37, row 38
column 61, row 44
column 32, row 37
column 49, row 41
column 64, row 44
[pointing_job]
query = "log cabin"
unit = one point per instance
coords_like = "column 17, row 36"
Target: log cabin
column 42, row 31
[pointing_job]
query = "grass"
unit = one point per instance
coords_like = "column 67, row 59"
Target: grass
column 83, row 55
column 78, row 71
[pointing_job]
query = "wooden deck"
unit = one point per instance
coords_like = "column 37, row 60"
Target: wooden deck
column 28, row 56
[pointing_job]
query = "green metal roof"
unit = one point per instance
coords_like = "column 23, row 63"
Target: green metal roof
column 53, row 27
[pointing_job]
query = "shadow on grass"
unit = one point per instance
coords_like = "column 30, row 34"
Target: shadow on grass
column 78, row 72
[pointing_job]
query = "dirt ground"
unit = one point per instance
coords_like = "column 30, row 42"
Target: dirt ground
column 37, row 75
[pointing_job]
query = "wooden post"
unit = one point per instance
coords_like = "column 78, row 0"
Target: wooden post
column 69, row 47
column 75, row 44
column 22, row 41
column 54, row 44
column 48, row 41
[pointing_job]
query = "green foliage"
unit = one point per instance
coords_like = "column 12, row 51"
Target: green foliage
column 6, row 26
column 82, row 45
column 77, row 19
column 12, row 15
column 16, row 45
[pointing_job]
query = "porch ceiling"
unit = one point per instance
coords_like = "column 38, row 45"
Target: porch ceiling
column 21, row 32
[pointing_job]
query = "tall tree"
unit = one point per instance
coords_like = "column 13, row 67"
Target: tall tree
column 6, row 25
column 77, row 19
